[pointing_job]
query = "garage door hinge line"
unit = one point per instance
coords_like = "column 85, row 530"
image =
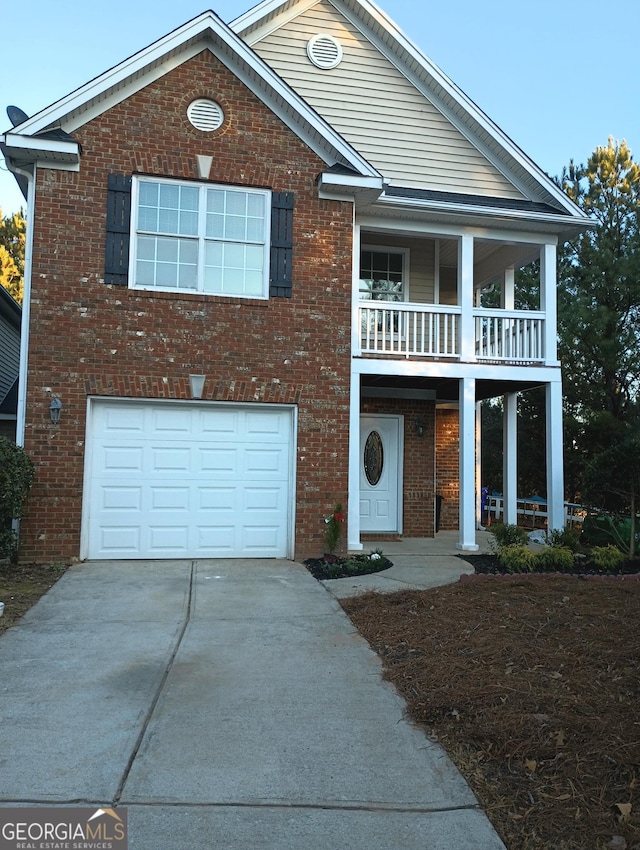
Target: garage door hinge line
column 154, row 702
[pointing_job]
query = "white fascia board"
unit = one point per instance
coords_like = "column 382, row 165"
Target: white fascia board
column 454, row 92
column 199, row 28
column 263, row 11
column 135, row 64
column 39, row 148
column 432, row 227
column 555, row 221
column 456, row 370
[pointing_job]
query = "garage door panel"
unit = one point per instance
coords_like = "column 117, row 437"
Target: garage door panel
column 171, row 539
column 216, row 498
column 188, row 481
column 119, row 541
column 169, row 498
column 218, row 460
column 117, row 459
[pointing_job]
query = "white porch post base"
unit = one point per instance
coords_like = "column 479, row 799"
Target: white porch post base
column 353, row 511
column 467, row 465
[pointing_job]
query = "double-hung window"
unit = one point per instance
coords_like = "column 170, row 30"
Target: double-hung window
column 200, row 238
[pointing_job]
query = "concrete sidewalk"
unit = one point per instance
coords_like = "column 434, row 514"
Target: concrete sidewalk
column 226, row 704
column 418, row 564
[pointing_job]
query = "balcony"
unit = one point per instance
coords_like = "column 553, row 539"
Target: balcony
column 435, row 331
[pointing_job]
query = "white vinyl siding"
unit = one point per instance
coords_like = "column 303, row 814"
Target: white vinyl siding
column 378, row 110
column 9, row 356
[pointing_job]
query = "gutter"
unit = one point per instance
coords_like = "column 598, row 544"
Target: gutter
column 30, row 177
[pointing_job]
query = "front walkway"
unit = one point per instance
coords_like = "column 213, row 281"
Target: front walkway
column 418, row 563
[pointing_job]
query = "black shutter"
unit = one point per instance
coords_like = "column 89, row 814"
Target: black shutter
column 280, row 271
column 116, row 264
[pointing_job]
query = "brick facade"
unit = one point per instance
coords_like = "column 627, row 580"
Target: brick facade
column 89, row 338
column 447, row 460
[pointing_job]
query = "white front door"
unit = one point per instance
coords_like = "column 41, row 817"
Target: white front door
column 381, row 473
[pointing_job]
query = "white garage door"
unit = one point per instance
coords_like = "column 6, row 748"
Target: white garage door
column 182, row 480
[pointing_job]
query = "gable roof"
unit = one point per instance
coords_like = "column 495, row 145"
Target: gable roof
column 33, row 141
column 270, row 15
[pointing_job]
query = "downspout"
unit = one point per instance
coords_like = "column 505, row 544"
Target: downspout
column 26, row 304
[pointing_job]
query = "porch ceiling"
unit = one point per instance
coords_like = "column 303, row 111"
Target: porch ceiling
column 440, row 390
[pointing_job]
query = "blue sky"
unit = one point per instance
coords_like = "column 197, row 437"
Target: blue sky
column 558, row 76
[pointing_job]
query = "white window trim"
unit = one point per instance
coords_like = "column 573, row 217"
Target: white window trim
column 133, row 240
column 390, row 249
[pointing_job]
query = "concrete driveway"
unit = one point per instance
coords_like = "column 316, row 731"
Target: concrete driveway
column 226, row 704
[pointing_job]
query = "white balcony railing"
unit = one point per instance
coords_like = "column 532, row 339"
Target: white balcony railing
column 509, row 335
column 433, row 330
column 418, row 330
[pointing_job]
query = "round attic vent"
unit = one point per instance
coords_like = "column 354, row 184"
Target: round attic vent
column 205, row 114
column 324, row 51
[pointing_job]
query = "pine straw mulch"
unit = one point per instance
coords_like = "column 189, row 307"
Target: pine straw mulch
column 531, row 684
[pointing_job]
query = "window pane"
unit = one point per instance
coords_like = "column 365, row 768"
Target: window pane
column 234, row 256
column 236, row 203
column 233, row 281
column 212, row 279
column 253, row 283
column 146, row 248
column 169, row 195
column 148, row 218
column 187, row 277
column 149, row 193
column 255, row 205
column 254, row 258
column 235, row 228
column 255, row 230
column 189, row 251
column 215, row 200
column 145, row 273
column 167, row 274
column 167, row 250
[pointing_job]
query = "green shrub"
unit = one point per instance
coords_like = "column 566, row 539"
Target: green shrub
column 517, row 559
column 608, row 558
column 555, row 559
column 509, row 535
column 16, row 477
column 565, row 538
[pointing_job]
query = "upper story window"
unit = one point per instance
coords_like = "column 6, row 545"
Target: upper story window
column 383, row 274
column 200, row 238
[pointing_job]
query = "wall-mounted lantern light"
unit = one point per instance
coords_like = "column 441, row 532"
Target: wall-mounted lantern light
column 54, row 410
column 197, row 385
column 420, row 428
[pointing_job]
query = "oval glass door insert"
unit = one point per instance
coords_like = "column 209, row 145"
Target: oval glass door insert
column 373, row 458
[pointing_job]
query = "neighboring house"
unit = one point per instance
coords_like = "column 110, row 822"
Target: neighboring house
column 10, row 317
column 303, row 209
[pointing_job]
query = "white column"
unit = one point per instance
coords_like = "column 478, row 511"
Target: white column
column 356, row 330
column 353, row 510
column 555, row 465
column 467, row 465
column 510, row 458
column 548, row 302
column 465, row 299
column 478, row 465
column 509, row 289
